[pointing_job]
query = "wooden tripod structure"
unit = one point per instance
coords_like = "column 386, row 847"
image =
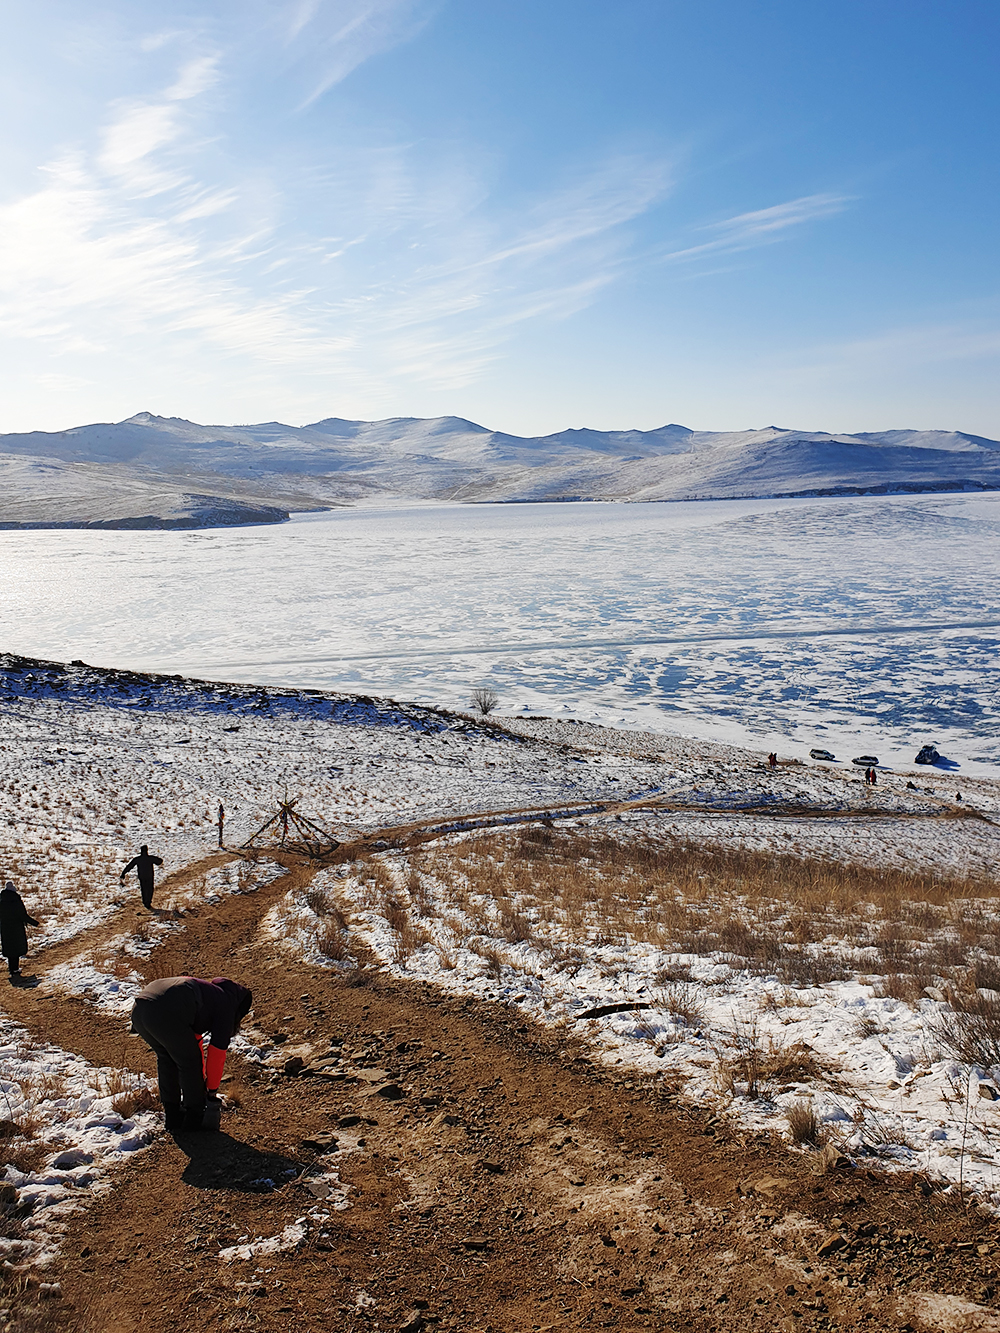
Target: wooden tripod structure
column 289, row 831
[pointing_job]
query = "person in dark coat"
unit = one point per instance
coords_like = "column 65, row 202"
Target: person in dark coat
column 13, row 937
column 171, row 1015
column 143, row 865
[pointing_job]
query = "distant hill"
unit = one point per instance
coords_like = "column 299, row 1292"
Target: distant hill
column 154, row 471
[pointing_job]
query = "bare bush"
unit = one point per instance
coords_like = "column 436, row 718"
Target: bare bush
column 971, row 1032
column 485, row 700
column 866, row 1026
column 756, row 1067
column 135, row 1102
column 317, row 901
column 680, row 999
column 803, row 1126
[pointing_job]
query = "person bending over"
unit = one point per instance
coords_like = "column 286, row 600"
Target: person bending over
column 171, row 1015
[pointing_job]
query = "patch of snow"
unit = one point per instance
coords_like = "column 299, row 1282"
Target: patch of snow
column 67, row 1102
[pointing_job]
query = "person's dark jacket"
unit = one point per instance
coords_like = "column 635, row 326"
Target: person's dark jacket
column 143, row 866
column 13, row 918
column 222, row 1004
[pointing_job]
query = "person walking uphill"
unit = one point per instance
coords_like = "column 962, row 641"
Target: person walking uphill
column 171, row 1015
column 13, row 937
column 143, row 865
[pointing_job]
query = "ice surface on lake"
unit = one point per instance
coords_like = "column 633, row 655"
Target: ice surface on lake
column 772, row 622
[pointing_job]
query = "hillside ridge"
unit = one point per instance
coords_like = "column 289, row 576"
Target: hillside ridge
column 158, row 471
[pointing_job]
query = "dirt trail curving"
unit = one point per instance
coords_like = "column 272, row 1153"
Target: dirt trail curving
column 495, row 1180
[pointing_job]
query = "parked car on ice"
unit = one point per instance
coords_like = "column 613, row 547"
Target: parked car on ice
column 821, row 754
column 927, row 755
column 865, row 761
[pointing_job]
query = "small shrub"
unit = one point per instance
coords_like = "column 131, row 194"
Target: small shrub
column 25, row 1154
column 680, row 999
column 803, row 1126
column 129, row 1104
column 866, row 1026
column 485, row 700
column 333, row 944
column 317, row 902
column 903, row 986
column 971, row 1032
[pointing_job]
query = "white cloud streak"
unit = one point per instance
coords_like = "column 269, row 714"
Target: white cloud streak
column 127, row 243
column 414, row 273
column 328, row 39
column 762, row 226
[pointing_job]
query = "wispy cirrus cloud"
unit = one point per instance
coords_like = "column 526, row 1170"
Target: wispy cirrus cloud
column 425, row 278
column 372, row 262
column 762, row 226
column 328, row 39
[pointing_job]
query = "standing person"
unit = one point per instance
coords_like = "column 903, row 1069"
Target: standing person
column 221, row 821
column 143, row 864
column 772, row 760
column 171, row 1015
column 13, row 937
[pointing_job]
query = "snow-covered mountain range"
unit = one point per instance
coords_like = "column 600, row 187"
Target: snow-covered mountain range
column 164, row 471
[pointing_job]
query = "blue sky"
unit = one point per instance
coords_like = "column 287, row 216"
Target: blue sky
column 533, row 213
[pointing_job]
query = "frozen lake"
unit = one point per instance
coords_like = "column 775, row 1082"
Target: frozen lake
column 868, row 623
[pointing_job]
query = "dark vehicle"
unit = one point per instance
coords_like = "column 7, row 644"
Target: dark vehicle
column 865, row 761
column 825, row 755
column 928, row 755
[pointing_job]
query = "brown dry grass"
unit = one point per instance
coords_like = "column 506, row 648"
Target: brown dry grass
column 750, row 1066
column 768, row 912
column 803, row 1125
column 24, row 1153
column 971, row 1032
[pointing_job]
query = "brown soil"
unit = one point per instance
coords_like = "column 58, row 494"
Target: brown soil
column 513, row 1185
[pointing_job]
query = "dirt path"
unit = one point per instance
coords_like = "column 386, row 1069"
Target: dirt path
column 510, row 1185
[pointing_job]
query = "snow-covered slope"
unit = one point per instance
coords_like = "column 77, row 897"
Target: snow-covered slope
column 166, row 468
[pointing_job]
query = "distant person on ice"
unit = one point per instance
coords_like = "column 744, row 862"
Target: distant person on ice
column 143, row 865
column 171, row 1015
column 13, row 937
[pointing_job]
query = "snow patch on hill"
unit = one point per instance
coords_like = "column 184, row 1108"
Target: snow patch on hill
column 143, row 470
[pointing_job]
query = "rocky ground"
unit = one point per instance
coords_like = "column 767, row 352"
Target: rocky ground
column 420, row 1161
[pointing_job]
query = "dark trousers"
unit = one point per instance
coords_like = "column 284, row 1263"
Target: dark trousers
column 13, row 963
column 166, row 1025
column 147, row 893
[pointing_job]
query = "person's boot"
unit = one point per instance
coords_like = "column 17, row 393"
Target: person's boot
column 172, row 1117
column 194, row 1114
